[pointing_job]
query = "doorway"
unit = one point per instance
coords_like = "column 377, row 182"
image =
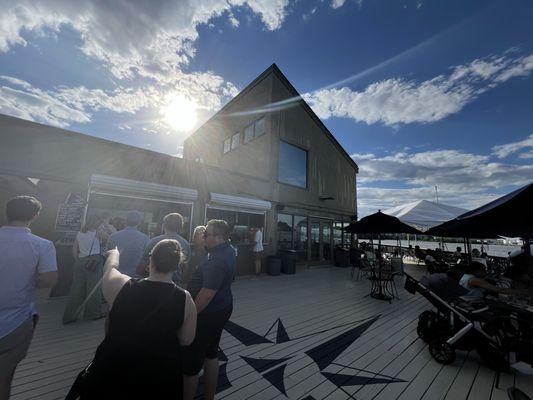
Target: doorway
column 320, row 250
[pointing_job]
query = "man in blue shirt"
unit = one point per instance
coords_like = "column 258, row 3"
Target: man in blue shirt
column 27, row 261
column 130, row 243
column 172, row 225
column 210, row 287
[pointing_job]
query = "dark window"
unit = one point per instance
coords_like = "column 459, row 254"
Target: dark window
column 292, row 165
column 239, row 222
column 285, row 230
column 337, row 233
column 300, row 236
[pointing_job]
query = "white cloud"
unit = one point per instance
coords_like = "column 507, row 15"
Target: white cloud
column 505, row 150
column 33, row 104
column 399, row 101
column 463, row 179
column 337, row 3
column 130, row 38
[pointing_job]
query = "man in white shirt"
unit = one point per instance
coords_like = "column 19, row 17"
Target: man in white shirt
column 258, row 249
column 27, row 261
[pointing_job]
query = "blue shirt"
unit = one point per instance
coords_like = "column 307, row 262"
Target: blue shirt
column 185, row 247
column 130, row 243
column 22, row 256
column 215, row 273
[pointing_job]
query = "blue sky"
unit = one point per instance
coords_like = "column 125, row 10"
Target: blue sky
column 420, row 93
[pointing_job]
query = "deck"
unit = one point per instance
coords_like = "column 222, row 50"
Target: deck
column 312, row 335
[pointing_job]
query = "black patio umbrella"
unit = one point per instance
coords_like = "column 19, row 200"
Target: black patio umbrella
column 380, row 223
column 510, row 215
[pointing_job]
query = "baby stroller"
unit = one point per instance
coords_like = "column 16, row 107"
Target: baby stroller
column 458, row 325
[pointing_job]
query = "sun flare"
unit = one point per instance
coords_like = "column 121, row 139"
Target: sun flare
column 180, row 113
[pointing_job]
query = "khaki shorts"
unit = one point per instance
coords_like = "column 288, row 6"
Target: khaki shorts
column 14, row 346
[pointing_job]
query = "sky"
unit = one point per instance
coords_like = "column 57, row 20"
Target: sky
column 420, row 93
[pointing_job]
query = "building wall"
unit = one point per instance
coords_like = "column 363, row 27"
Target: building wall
column 330, row 174
column 252, row 158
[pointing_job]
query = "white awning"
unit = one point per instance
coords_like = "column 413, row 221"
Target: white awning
column 239, row 202
column 111, row 185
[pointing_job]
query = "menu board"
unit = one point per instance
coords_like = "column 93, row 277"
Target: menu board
column 70, row 214
column 69, row 217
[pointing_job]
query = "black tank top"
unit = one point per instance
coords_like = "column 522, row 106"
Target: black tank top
column 141, row 351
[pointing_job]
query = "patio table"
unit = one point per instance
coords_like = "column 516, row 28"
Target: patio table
column 380, row 277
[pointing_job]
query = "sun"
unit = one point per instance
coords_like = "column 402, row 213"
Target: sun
column 180, row 113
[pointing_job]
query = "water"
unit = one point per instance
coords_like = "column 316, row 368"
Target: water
column 496, row 250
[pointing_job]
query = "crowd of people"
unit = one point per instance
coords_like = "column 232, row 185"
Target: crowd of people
column 166, row 303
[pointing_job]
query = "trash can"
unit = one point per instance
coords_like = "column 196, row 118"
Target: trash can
column 288, row 261
column 273, row 265
column 342, row 257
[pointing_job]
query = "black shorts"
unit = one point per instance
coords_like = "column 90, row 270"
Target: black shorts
column 205, row 345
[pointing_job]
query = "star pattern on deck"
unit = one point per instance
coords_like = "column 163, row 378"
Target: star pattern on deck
column 323, row 355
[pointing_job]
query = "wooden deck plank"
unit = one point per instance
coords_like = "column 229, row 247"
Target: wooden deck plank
column 314, row 306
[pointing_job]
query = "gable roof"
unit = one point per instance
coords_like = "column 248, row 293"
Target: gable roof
column 296, row 98
column 424, row 213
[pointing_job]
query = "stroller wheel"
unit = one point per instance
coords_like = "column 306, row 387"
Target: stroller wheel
column 429, row 326
column 442, row 352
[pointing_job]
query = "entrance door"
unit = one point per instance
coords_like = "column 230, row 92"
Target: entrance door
column 320, row 250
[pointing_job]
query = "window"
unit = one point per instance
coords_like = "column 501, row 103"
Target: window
column 248, row 133
column 259, row 127
column 227, row 145
column 292, row 165
column 284, row 232
column 300, row 236
column 235, row 141
column 337, row 233
column 240, row 223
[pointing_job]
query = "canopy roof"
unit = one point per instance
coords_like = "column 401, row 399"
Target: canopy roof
column 380, row 223
column 510, row 215
column 424, row 214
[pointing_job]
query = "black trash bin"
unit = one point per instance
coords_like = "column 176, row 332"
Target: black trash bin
column 288, row 261
column 273, row 265
column 342, row 257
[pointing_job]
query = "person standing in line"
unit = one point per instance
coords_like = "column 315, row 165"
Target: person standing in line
column 198, row 252
column 28, row 261
column 172, row 225
column 140, row 356
column 258, row 249
column 210, row 287
column 87, row 272
column 105, row 229
column 130, row 244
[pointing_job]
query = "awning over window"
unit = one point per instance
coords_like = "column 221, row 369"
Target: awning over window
column 111, row 185
column 240, row 202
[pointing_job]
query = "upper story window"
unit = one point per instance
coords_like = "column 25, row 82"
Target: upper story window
column 254, row 130
column 235, row 141
column 251, row 132
column 259, row 127
column 248, row 133
column 292, row 165
column 227, row 145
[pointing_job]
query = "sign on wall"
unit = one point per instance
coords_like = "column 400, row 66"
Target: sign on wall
column 70, row 214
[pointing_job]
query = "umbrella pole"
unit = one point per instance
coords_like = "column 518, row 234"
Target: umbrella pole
column 529, row 257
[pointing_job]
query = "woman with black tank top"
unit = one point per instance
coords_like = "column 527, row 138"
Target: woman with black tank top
column 149, row 321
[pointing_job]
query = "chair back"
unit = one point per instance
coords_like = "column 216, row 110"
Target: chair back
column 397, row 265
